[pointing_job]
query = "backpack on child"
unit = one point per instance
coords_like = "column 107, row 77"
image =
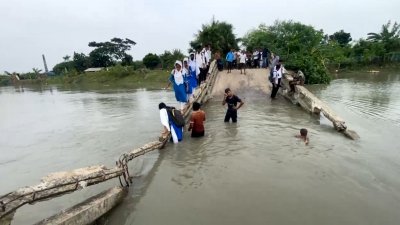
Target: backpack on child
column 176, row 116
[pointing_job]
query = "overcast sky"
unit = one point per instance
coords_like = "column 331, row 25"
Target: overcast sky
column 30, row 28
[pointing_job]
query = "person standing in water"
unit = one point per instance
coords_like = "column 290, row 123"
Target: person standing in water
column 232, row 101
column 197, row 121
column 168, row 124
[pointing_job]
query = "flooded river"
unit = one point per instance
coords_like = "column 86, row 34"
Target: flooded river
column 252, row 172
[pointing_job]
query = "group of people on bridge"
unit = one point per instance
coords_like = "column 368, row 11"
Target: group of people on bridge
column 187, row 76
column 241, row 59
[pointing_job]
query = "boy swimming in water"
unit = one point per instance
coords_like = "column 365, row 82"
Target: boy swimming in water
column 303, row 135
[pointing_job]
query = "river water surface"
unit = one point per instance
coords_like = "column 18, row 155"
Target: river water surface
column 252, row 172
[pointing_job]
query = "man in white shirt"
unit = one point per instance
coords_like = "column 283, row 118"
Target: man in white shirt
column 201, row 62
column 242, row 62
column 276, row 79
column 208, row 58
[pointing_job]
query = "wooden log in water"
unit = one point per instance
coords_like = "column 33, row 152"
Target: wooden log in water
column 55, row 185
column 88, row 211
column 311, row 103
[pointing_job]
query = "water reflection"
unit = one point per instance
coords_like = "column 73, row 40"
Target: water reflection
column 373, row 96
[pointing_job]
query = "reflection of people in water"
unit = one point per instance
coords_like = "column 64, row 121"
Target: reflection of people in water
column 303, row 135
column 232, row 101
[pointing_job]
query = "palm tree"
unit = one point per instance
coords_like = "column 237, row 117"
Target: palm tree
column 66, row 58
column 36, row 70
column 389, row 36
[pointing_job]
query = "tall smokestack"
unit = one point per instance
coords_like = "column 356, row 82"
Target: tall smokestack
column 45, row 64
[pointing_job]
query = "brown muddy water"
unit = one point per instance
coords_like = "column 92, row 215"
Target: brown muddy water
column 252, row 172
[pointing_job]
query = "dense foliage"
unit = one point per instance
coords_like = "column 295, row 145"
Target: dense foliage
column 109, row 52
column 297, row 44
column 218, row 34
column 168, row 58
column 151, row 60
column 104, row 54
column 310, row 50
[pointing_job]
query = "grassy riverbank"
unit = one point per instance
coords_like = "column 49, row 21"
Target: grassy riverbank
column 119, row 77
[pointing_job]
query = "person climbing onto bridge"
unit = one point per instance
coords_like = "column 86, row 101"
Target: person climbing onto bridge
column 169, row 125
column 274, row 61
column 298, row 79
column 231, row 100
column 197, row 121
column 276, row 79
column 177, row 79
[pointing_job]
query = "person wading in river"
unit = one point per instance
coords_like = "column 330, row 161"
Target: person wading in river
column 169, row 125
column 197, row 121
column 303, row 136
column 231, row 100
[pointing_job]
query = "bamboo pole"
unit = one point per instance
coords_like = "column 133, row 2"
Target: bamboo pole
column 55, row 185
column 88, row 211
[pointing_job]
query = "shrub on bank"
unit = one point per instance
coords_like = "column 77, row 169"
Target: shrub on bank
column 4, row 80
column 126, row 76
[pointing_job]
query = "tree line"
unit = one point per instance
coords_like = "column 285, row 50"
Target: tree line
column 300, row 46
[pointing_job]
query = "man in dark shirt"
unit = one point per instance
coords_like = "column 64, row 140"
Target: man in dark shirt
column 232, row 101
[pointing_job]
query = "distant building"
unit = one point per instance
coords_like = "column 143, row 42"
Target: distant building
column 95, row 69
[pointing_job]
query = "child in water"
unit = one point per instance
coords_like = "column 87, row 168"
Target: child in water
column 303, row 135
column 197, row 121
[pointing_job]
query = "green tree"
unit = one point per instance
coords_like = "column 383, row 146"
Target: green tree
column 218, row 34
column 168, row 58
column 66, row 58
column 389, row 36
column 258, row 38
column 366, row 52
column 100, row 57
column 81, row 61
column 127, row 60
column 63, row 67
column 107, row 53
column 341, row 37
column 151, row 61
column 299, row 45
